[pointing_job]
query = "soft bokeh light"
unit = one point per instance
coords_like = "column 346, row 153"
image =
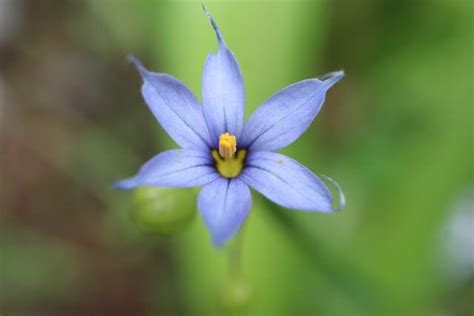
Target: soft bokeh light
column 396, row 133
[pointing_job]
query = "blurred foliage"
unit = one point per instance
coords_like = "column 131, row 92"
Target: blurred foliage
column 396, row 134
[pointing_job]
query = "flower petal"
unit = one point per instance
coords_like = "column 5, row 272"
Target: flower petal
column 174, row 168
column 223, row 95
column 175, row 107
column 286, row 182
column 224, row 205
column 286, row 115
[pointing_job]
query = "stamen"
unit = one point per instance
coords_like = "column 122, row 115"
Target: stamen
column 227, row 145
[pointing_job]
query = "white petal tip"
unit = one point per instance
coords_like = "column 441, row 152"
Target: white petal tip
column 342, row 198
column 331, row 78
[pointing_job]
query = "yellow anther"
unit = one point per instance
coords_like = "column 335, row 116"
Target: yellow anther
column 227, row 145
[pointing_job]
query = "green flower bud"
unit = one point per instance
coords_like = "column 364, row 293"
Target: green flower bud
column 235, row 295
column 163, row 210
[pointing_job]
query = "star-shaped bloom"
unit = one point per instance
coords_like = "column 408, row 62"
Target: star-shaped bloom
column 221, row 153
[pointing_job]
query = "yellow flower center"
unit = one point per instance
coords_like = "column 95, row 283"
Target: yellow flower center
column 229, row 161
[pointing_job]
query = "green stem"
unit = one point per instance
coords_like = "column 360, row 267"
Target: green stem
column 234, row 256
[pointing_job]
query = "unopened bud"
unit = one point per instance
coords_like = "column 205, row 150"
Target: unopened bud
column 236, row 295
column 163, row 210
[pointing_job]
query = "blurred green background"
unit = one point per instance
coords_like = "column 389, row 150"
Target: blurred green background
column 396, row 133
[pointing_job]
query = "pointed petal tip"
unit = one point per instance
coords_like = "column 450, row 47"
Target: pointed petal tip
column 126, row 184
column 218, row 243
column 339, row 74
column 137, row 63
column 342, row 198
column 204, row 8
column 221, row 240
column 214, row 24
column 224, row 205
column 331, row 78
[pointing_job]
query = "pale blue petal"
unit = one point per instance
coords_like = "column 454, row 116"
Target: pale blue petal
column 224, row 205
column 176, row 108
column 286, row 182
column 178, row 168
column 286, row 115
column 223, row 95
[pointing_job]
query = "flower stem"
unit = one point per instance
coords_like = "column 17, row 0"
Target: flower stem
column 236, row 293
column 234, row 256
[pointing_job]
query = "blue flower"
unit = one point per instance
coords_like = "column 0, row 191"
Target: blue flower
column 221, row 153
